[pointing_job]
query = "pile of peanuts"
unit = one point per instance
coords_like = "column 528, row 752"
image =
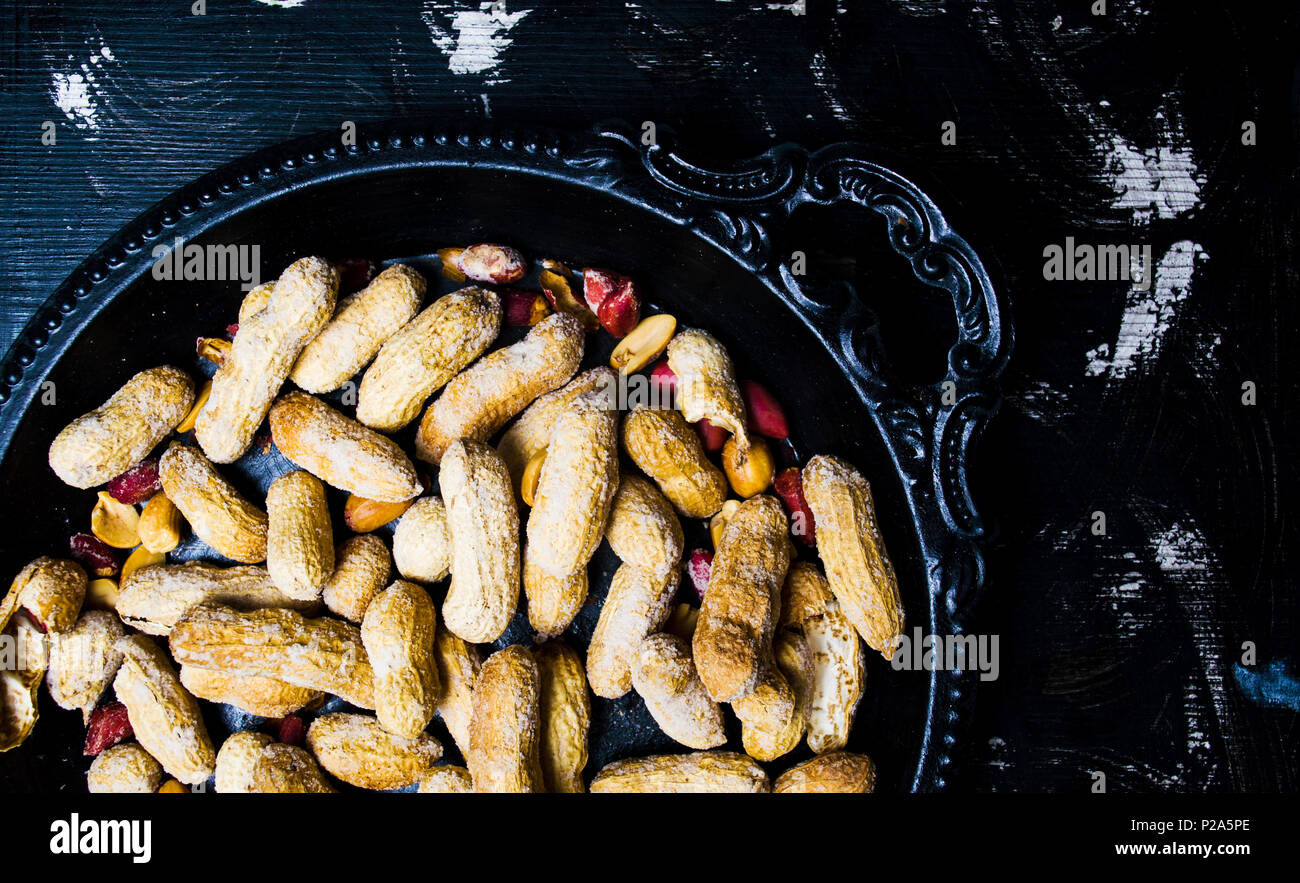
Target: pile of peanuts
column 342, row 647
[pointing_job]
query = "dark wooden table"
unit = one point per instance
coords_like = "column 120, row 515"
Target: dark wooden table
column 1169, row 125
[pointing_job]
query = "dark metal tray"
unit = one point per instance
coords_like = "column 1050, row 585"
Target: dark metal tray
column 706, row 243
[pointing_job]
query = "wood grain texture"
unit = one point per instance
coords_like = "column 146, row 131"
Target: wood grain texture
column 1119, row 653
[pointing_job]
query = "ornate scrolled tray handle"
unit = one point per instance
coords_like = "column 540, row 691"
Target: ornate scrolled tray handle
column 746, row 201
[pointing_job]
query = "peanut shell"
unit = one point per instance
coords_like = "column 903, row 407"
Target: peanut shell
column 665, row 448
column 701, row 772
column 20, row 685
column 152, row 599
column 484, row 527
column 428, row 351
column 264, row 697
column 218, row 514
column 839, row 677
column 362, row 568
column 357, row 750
column 299, row 538
column 553, row 601
column 849, row 541
column 163, row 714
column 124, row 769
column 733, row 637
column 706, row 383
column 288, row 769
column 121, row 432
column 263, row 354
column 398, row 634
column 767, row 714
column 84, row 660
column 531, row 433
column 447, row 780
column 575, row 490
column 637, row 604
column 320, row 654
column 422, row 542
column 363, row 323
column 643, row 529
column 479, row 401
column 565, row 711
column 51, row 590
column 665, row 677
column 340, row 451
column 458, row 667
column 504, row 728
column 237, row 760
column 837, row 773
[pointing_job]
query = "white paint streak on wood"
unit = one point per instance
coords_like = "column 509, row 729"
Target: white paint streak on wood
column 823, row 77
column 474, row 39
column 75, row 90
column 1159, row 182
column 1148, row 315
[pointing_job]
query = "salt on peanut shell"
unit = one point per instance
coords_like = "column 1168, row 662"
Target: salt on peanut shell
column 340, row 451
column 362, row 567
column 424, row 354
column 363, row 323
column 484, row 527
column 299, row 538
column 109, row 440
column 164, row 715
column 478, row 401
column 218, row 514
column 262, row 355
column 398, row 634
column 153, row 598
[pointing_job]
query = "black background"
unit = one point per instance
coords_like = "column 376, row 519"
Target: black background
column 1120, row 653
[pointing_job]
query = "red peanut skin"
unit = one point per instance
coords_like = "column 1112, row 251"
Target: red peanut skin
column 766, row 417
column 788, row 485
column 137, row 484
